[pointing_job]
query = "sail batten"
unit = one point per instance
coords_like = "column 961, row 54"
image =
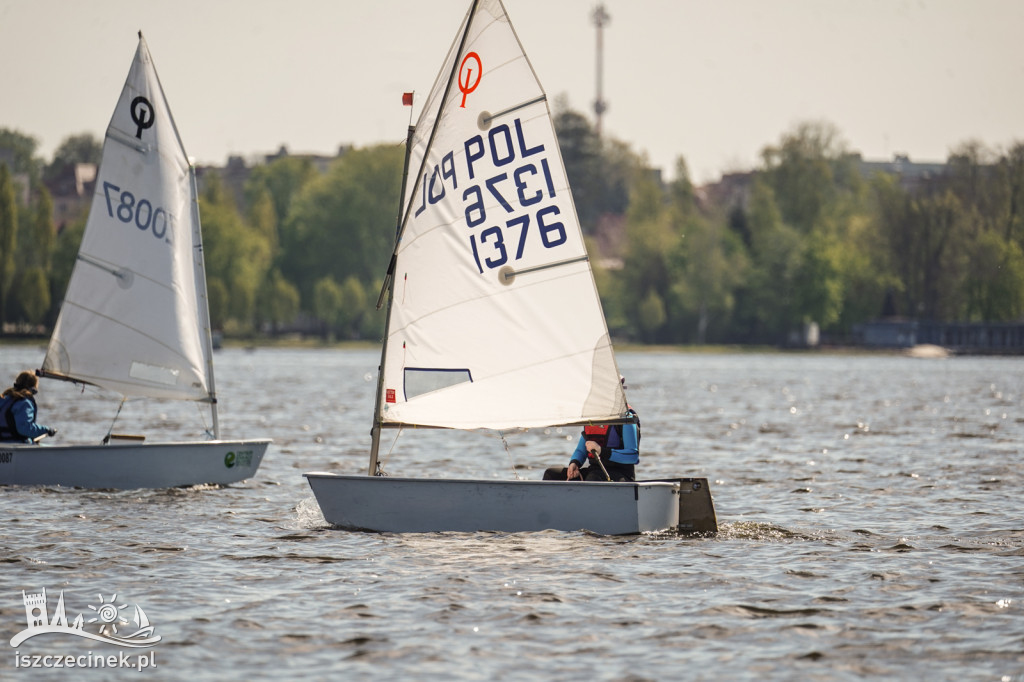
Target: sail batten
column 134, row 318
column 494, row 319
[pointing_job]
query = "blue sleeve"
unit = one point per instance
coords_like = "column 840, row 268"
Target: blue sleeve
column 579, row 455
column 629, row 453
column 25, row 419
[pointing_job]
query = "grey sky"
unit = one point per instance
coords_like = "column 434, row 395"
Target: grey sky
column 712, row 80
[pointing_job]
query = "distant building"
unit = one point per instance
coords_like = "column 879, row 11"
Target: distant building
column 237, row 171
column 320, row 162
column 71, row 192
column 911, row 174
column 733, row 189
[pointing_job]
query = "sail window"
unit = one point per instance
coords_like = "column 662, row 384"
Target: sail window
column 157, row 375
column 420, row 380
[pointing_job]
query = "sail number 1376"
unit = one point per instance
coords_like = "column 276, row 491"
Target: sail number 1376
column 501, row 188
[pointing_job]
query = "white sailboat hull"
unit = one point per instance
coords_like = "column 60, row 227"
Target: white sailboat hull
column 407, row 505
column 129, row 466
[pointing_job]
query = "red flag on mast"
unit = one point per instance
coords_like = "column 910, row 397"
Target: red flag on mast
column 407, row 99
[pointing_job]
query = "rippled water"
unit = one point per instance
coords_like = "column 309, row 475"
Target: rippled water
column 870, row 513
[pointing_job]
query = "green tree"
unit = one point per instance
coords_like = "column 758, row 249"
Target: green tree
column 600, row 171
column 766, row 304
column 42, row 233
column 327, row 304
column 995, row 281
column 262, row 216
column 21, row 149
column 278, row 300
column 281, row 180
column 647, row 271
column 237, row 257
column 818, row 195
column 705, row 266
column 988, row 232
column 342, row 223
column 354, row 303
column 581, row 154
column 65, row 254
column 711, row 265
column 219, row 300
column 8, row 237
column 34, row 252
column 651, row 315
column 805, row 171
column 33, row 294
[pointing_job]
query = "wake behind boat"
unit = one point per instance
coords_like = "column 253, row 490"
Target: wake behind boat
column 135, row 318
column 494, row 320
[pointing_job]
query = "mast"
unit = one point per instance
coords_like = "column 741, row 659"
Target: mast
column 390, row 288
column 204, row 303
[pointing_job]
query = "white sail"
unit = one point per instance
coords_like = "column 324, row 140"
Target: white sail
column 134, row 319
column 495, row 320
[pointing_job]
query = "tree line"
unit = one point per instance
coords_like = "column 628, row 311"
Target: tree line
column 805, row 237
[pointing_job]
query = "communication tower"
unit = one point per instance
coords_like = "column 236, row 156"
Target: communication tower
column 600, row 17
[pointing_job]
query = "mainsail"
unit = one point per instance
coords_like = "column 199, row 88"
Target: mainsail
column 135, row 318
column 494, row 319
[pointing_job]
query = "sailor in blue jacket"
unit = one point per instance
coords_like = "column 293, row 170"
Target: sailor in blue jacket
column 18, row 412
column 616, row 445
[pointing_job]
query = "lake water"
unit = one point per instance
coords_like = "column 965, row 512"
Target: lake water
column 870, row 514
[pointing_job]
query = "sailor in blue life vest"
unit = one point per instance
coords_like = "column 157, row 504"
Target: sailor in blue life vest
column 18, row 412
column 615, row 446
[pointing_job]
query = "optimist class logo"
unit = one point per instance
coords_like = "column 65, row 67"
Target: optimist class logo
column 465, row 87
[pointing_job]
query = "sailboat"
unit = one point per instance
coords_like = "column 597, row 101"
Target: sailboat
column 493, row 316
column 135, row 319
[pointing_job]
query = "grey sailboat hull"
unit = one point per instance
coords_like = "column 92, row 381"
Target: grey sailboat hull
column 408, row 505
column 133, row 465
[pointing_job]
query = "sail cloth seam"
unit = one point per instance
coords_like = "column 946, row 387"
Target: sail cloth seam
column 116, row 135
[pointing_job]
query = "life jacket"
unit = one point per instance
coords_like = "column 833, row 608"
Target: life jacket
column 610, row 436
column 8, row 427
column 597, row 433
column 607, row 436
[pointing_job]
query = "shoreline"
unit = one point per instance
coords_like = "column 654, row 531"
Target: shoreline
column 621, row 347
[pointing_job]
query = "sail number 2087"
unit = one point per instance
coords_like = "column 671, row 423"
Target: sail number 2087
column 123, row 205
